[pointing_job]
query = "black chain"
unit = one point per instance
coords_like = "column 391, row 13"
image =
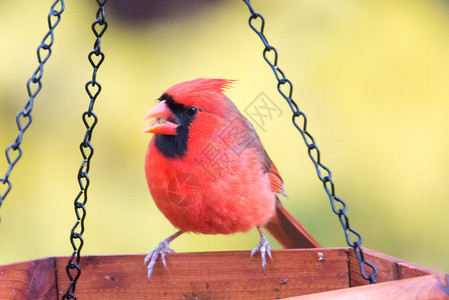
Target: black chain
column 34, row 85
column 90, row 119
column 285, row 88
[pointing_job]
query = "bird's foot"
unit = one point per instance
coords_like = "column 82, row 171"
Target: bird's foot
column 163, row 248
column 264, row 248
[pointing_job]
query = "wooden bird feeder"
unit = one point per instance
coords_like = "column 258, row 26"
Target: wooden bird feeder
column 320, row 273
column 306, row 273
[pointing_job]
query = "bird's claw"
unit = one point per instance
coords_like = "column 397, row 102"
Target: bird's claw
column 264, row 248
column 163, row 248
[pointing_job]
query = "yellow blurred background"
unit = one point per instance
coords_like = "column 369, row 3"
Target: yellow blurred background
column 372, row 77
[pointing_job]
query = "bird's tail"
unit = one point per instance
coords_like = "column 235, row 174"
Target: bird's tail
column 288, row 231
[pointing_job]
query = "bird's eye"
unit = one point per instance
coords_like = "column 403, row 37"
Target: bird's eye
column 190, row 111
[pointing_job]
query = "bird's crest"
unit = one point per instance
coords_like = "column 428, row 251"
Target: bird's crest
column 187, row 91
column 201, row 85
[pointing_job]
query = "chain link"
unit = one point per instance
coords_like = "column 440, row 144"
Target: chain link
column 34, row 85
column 285, row 88
column 90, row 119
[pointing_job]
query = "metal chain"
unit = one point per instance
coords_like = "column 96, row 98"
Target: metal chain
column 90, row 119
column 285, row 88
column 34, row 85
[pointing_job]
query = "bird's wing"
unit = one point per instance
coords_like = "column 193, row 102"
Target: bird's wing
column 276, row 181
column 282, row 226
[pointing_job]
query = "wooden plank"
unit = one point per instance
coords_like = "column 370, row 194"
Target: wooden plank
column 210, row 275
column 427, row 287
column 409, row 270
column 388, row 268
column 34, row 279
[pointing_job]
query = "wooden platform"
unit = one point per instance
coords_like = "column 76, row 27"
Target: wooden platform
column 297, row 273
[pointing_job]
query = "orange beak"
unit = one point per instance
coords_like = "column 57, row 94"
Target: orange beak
column 161, row 124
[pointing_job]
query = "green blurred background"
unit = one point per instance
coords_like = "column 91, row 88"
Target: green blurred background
column 372, row 77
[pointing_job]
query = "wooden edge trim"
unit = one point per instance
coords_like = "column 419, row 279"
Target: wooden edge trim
column 407, row 269
column 33, row 279
column 211, row 275
column 423, row 287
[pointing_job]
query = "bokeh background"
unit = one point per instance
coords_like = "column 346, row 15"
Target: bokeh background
column 372, row 77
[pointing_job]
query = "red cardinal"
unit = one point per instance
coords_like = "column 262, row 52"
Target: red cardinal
column 206, row 167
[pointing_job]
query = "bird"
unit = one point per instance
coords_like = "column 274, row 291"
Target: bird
column 208, row 172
